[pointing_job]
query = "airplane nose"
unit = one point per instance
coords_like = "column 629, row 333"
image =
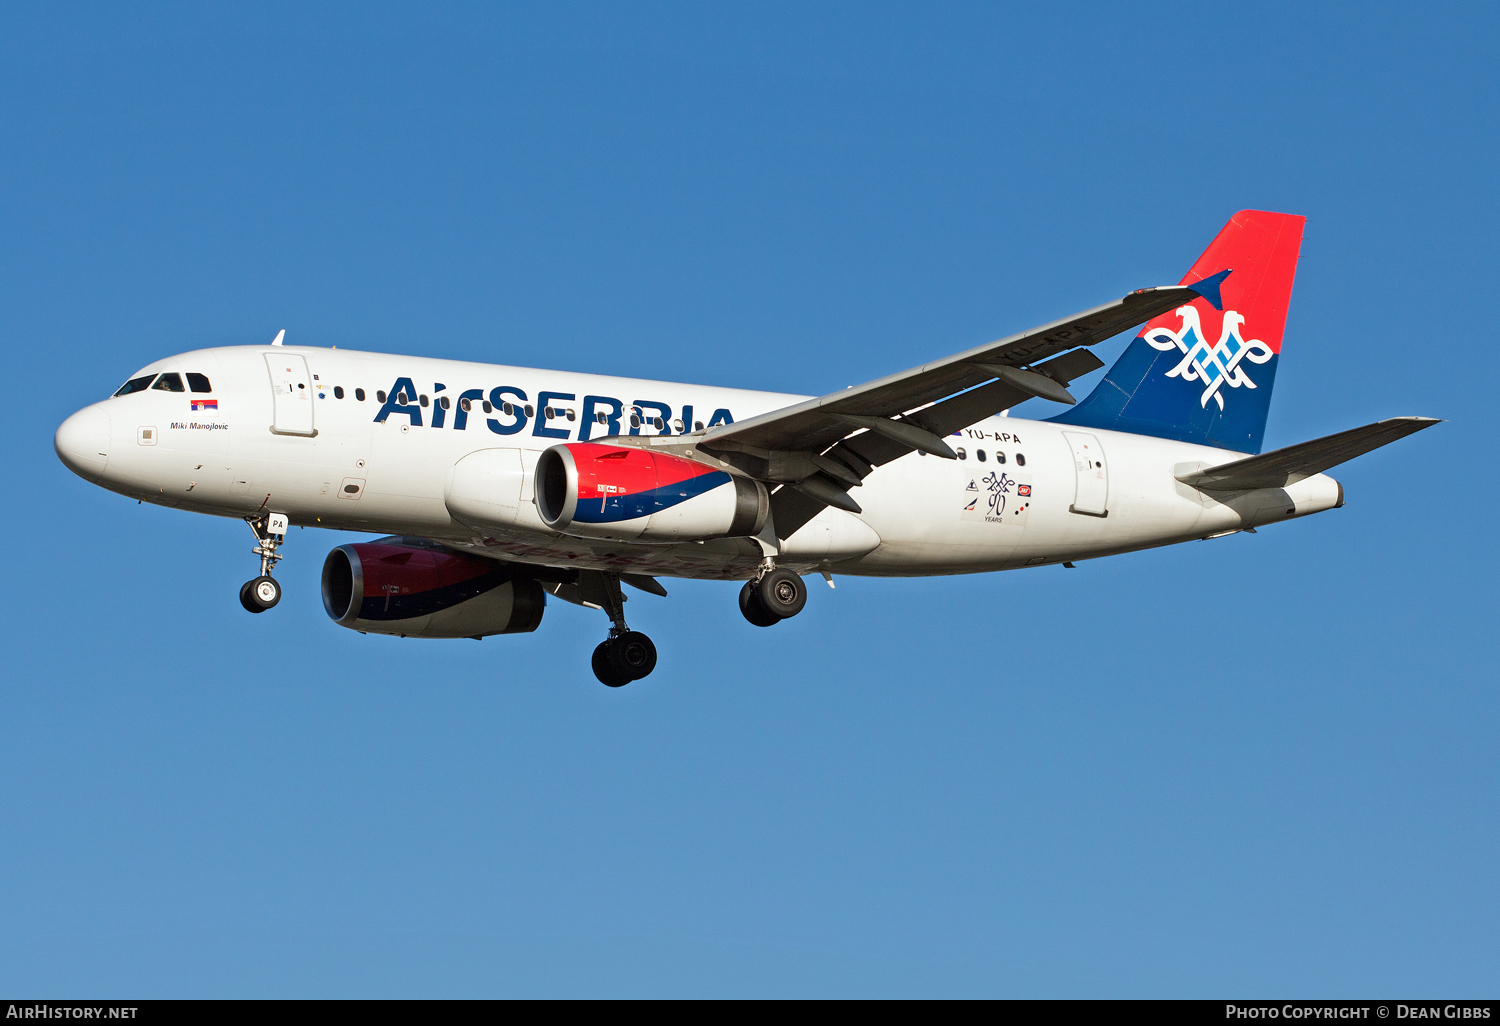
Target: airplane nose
column 82, row 442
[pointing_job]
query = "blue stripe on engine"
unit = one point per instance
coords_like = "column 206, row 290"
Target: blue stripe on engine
column 612, row 509
column 405, row 607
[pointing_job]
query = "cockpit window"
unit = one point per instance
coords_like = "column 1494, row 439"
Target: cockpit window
column 169, row 383
column 136, row 385
column 199, row 383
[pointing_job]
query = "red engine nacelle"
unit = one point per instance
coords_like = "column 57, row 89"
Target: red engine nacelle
column 392, row 587
column 610, row 491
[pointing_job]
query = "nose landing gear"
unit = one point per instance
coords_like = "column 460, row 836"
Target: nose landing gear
column 626, row 655
column 263, row 592
column 774, row 596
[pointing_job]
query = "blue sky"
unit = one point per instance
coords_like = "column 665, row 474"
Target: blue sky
column 1260, row 766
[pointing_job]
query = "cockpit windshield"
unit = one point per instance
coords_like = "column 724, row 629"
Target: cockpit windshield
column 136, row 385
column 169, row 382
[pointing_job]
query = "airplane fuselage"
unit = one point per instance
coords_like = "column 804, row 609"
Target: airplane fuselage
column 329, row 443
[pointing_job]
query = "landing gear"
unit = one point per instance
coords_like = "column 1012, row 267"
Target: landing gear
column 752, row 609
column 263, row 592
column 774, row 596
column 623, row 658
column 626, row 655
column 260, row 594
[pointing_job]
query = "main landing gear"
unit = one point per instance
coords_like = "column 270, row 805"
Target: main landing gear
column 773, row 596
column 263, row 592
column 626, row 655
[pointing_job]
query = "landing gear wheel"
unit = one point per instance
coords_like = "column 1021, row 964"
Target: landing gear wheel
column 781, row 593
column 632, row 654
column 260, row 594
column 755, row 612
column 604, row 670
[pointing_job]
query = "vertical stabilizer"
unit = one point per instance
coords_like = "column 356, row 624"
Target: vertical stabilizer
column 1203, row 373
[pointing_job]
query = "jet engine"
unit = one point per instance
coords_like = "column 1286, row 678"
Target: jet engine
column 415, row 591
column 608, row 491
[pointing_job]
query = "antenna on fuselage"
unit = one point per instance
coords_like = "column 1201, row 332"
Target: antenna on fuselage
column 278, row 340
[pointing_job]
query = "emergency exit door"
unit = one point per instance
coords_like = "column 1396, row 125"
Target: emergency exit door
column 291, row 393
column 1091, row 473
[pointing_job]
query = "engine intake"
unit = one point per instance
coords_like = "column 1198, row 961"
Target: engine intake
column 418, row 592
column 608, row 491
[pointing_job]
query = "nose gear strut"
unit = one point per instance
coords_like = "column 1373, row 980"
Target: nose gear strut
column 270, row 531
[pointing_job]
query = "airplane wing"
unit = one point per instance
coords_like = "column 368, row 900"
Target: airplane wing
column 1284, row 466
column 821, row 447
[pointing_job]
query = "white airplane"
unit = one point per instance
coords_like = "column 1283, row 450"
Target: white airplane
column 499, row 484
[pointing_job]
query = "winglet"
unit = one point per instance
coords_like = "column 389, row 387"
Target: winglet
column 280, row 337
column 1208, row 287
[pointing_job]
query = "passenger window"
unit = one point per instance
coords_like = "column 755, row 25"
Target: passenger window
column 423, row 400
column 444, row 403
column 1020, row 460
column 359, row 394
column 338, row 391
column 380, row 396
column 571, row 415
column 136, row 385
column 603, row 417
column 962, row 455
column 199, row 383
column 635, row 421
column 489, row 408
column 505, row 408
column 169, row 383
column 999, row 456
column 979, row 455
column 697, row 425
column 465, row 405
column 529, row 411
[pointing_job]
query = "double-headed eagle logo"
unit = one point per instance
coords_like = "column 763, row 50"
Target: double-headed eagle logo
column 1214, row 365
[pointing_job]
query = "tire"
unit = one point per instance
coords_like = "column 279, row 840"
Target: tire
column 751, row 607
column 782, row 593
column 632, row 655
column 604, row 670
column 262, row 593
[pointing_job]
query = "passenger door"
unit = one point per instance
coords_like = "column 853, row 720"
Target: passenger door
column 1091, row 474
column 292, row 394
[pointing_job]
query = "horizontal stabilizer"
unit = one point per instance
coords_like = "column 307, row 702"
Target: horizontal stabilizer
column 1285, row 466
